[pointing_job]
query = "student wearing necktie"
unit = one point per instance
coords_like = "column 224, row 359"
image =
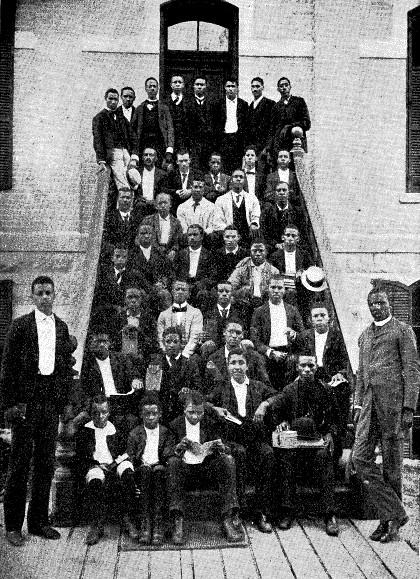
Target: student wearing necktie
column 232, row 115
column 202, row 121
column 216, row 181
column 178, row 109
column 254, row 178
column 35, row 387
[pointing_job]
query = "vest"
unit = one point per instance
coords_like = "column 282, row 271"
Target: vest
column 240, row 221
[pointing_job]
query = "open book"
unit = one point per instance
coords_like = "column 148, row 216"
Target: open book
column 197, row 452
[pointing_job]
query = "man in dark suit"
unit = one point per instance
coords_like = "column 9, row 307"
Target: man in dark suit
column 167, row 230
column 194, row 427
column 126, row 110
column 216, row 182
column 239, row 397
column 153, row 125
column 231, row 115
column 386, row 395
column 201, row 117
column 285, row 174
column 290, row 111
column 224, row 311
column 179, row 374
column 146, row 261
column 179, row 182
column 111, row 140
column 275, row 217
column 305, row 406
column 178, row 109
column 35, row 384
column 149, row 179
column 259, row 115
column 230, row 255
column 217, row 366
column 254, row 177
column 196, row 265
column 121, row 224
column 111, row 280
column 274, row 328
column 325, row 342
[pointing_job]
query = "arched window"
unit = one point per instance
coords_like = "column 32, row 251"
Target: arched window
column 199, row 38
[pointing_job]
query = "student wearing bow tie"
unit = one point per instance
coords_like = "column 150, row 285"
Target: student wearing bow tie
column 112, row 139
column 153, row 126
column 184, row 316
column 35, row 385
column 254, row 178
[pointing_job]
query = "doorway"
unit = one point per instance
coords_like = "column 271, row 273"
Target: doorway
column 198, row 38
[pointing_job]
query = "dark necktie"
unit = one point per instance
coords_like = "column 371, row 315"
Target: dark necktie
column 250, row 172
column 119, row 276
column 224, row 313
column 177, row 309
column 177, row 100
column 196, row 204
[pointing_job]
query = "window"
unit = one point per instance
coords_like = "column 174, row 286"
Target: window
column 198, row 36
column 7, row 40
column 413, row 102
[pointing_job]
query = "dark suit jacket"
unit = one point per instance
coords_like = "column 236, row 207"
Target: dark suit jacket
column 294, row 190
column 272, row 224
column 160, row 177
column 216, row 323
column 335, row 356
column 259, row 184
column 149, row 271
column 256, row 369
column 107, row 291
column 85, row 448
column 303, row 261
column 296, row 401
column 211, row 428
column 128, row 126
column 211, row 192
column 118, row 231
column 173, row 183
column 136, row 444
column 180, row 122
column 91, row 378
column 258, row 123
column 261, row 325
column 295, row 113
column 224, row 396
column 226, row 263
column 202, row 121
column 241, row 117
column 105, row 131
column 176, row 237
column 20, row 363
column 165, row 125
column 183, row 374
column 205, row 276
column 147, row 333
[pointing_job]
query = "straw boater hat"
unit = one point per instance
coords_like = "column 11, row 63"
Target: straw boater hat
column 313, row 279
column 134, row 177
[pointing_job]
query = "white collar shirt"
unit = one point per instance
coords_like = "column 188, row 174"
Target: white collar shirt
column 184, row 180
column 257, row 271
column 192, row 432
column 320, row 341
column 237, row 198
column 257, row 101
column 46, row 330
column 250, row 179
column 177, row 98
column 278, row 320
column 151, row 449
column 241, row 391
column 176, row 358
column 133, row 320
column 284, row 175
column 125, row 215
column 165, row 229
column 179, row 316
column 107, row 377
column 190, row 214
column 382, row 322
column 102, row 453
column 231, row 125
column 221, row 310
column 194, row 259
column 128, row 113
column 148, row 184
column 146, row 251
column 118, row 273
column 290, row 262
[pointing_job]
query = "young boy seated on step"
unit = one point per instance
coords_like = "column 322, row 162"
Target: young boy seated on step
column 149, row 447
column 99, row 448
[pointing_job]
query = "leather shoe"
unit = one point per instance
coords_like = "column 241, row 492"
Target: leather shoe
column 231, row 532
column 94, row 534
column 145, row 531
column 380, row 530
column 331, row 526
column 15, row 538
column 285, row 523
column 178, row 532
column 391, row 531
column 46, row 531
column 263, row 525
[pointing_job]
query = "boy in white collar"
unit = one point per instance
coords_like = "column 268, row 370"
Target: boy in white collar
column 99, row 450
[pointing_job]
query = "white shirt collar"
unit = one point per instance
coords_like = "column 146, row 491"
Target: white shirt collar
column 256, row 102
column 195, row 250
column 221, row 309
column 236, row 384
column 40, row 316
column 174, row 96
column 152, row 431
column 282, row 208
column 108, row 429
column 183, row 305
column 280, row 305
column 231, row 101
column 383, row 322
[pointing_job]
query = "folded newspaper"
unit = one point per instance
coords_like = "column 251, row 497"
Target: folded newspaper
column 197, row 452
